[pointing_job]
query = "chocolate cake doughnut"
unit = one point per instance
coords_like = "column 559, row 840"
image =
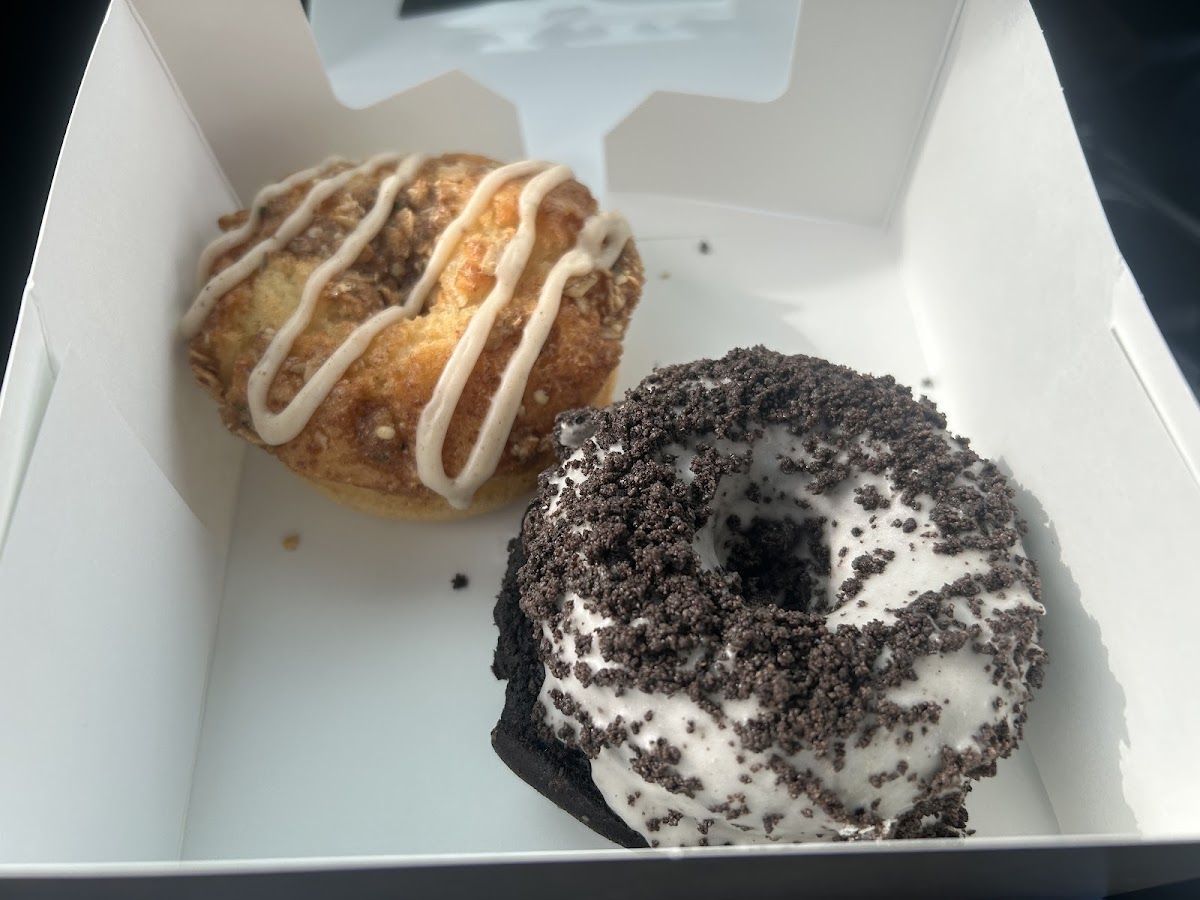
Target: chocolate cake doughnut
column 401, row 333
column 766, row 599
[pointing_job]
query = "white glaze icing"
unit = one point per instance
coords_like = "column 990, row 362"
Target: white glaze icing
column 599, row 244
column 960, row 682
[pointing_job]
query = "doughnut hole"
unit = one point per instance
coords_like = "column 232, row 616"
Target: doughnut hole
column 776, row 560
column 773, row 551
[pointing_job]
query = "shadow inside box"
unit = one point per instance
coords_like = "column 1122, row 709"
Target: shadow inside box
column 1080, row 690
column 788, row 285
column 686, row 320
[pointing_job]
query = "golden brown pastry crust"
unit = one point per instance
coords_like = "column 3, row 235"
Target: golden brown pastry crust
column 358, row 446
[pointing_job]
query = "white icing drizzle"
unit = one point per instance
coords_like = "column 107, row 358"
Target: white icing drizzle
column 295, row 223
column 449, row 239
column 600, row 242
column 283, row 426
column 593, row 249
column 231, row 239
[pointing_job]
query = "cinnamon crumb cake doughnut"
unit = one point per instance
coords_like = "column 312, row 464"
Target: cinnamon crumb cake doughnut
column 401, row 333
column 766, row 599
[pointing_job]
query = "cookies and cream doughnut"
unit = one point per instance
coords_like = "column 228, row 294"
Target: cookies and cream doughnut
column 766, row 599
column 402, row 332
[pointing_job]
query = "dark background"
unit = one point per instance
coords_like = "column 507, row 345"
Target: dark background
column 1130, row 71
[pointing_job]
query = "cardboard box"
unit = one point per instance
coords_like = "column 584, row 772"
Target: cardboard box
column 181, row 697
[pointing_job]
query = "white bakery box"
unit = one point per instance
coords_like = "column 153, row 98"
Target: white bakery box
column 185, row 704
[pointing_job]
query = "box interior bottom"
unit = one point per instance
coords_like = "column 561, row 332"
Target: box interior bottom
column 350, row 698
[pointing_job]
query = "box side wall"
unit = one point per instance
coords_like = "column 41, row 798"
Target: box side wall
column 1013, row 272
column 1160, row 374
column 27, row 382
column 605, row 59
column 109, row 594
column 135, row 197
column 111, row 573
column 1058, row 867
column 836, row 144
column 267, row 109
